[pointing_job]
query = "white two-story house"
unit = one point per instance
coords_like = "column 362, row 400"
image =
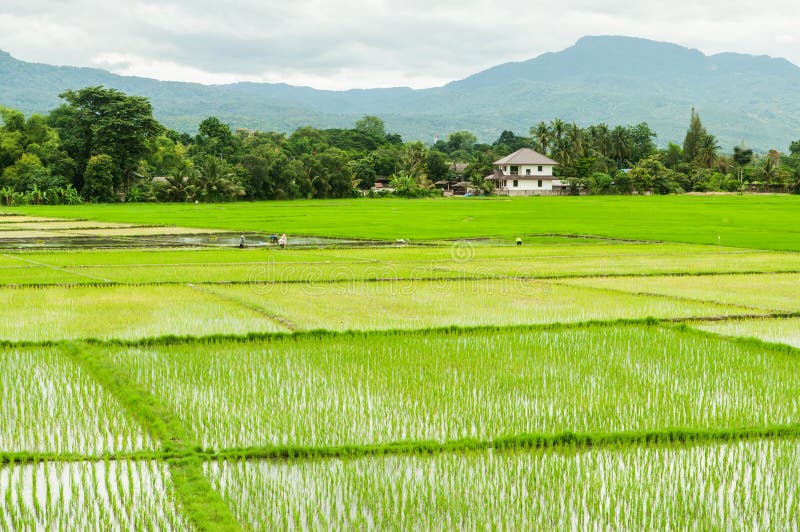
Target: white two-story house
column 525, row 173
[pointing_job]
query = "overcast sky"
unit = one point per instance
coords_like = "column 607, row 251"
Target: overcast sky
column 338, row 44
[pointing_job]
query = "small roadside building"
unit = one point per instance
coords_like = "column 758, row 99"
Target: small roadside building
column 526, row 173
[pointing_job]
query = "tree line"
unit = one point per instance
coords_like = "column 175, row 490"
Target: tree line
column 102, row 145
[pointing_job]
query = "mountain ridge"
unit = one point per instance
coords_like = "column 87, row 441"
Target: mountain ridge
column 612, row 79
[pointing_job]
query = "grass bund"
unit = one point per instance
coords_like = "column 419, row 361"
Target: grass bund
column 603, row 381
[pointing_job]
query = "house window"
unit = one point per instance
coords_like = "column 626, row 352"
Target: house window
column 516, row 183
column 540, row 168
column 515, row 170
column 527, row 171
column 540, row 183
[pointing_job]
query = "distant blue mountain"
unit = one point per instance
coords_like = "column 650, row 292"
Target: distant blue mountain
column 617, row 80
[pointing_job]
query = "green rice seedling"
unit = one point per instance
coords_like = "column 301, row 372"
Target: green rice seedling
column 446, row 261
column 47, row 404
column 775, row 292
column 140, row 231
column 56, row 225
column 746, row 485
column 15, row 219
column 780, row 330
column 357, row 389
column 726, row 221
column 106, row 495
column 635, row 264
column 420, row 304
column 57, row 313
column 37, row 275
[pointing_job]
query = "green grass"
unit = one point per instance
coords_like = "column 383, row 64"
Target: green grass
column 761, row 222
column 385, row 387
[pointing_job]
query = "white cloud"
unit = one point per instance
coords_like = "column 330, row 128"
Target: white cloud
column 363, row 43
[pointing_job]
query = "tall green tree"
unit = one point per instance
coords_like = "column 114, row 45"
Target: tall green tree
column 338, row 173
column 373, row 127
column 97, row 120
column 98, row 179
column 460, row 141
column 215, row 138
column 742, row 156
column 694, row 137
column 413, row 163
column 642, row 142
column 436, row 166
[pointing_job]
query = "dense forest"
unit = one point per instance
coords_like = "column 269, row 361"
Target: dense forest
column 102, row 145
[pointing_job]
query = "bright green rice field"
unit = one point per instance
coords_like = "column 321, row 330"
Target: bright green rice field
column 634, row 365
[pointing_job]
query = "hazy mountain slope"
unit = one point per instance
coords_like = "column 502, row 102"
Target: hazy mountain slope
column 617, row 80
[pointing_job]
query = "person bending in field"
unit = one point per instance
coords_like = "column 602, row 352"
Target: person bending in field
column 241, row 242
column 282, row 241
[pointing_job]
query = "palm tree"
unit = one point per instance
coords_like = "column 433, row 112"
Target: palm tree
column 215, row 179
column 562, row 153
column 180, row 186
column 557, row 127
column 620, row 145
column 769, row 171
column 576, row 140
column 600, row 138
column 541, row 136
column 707, row 150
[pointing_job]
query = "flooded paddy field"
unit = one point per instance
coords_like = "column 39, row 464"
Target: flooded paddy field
column 184, row 378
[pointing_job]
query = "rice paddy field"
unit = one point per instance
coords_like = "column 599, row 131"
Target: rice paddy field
column 155, row 376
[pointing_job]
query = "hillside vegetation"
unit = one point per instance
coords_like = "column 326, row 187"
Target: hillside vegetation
column 599, row 79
